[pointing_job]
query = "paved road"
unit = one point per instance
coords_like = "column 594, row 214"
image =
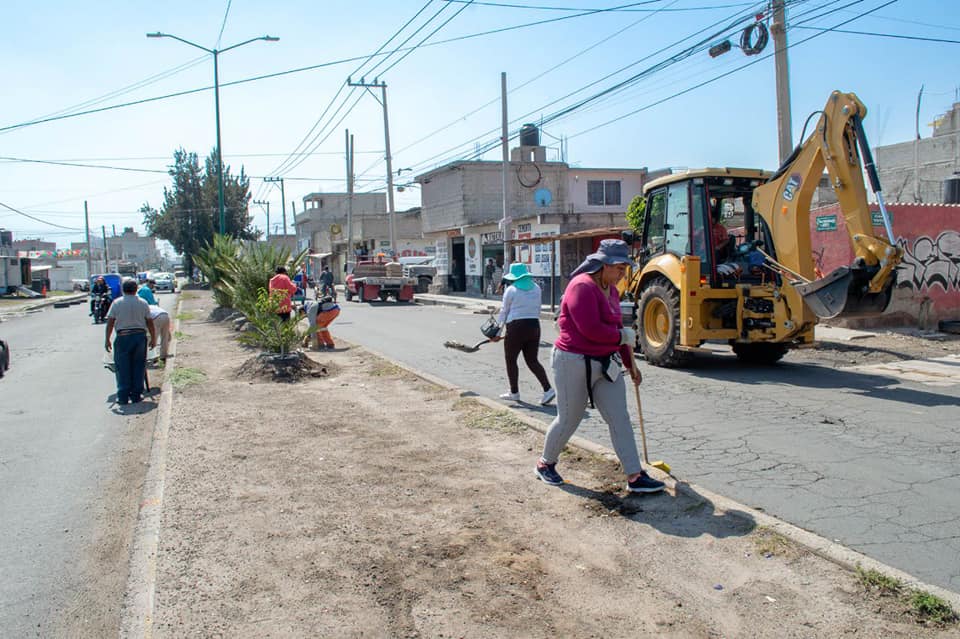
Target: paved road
column 861, row 457
column 60, row 446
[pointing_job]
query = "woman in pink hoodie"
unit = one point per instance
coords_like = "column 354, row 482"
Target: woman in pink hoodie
column 587, row 361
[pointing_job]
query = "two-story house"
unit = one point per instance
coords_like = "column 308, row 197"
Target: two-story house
column 463, row 207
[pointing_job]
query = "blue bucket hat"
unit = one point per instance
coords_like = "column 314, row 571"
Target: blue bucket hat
column 609, row 252
column 519, row 276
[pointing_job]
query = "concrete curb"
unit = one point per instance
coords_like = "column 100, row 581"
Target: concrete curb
column 136, row 615
column 820, row 546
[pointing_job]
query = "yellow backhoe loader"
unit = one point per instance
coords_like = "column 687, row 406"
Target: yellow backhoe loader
column 759, row 289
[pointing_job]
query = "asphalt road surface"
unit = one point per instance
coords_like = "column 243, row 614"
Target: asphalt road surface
column 61, row 447
column 870, row 460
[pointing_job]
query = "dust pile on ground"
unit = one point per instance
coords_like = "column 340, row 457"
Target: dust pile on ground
column 371, row 503
column 883, row 347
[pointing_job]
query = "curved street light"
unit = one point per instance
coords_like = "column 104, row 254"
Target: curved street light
column 216, row 91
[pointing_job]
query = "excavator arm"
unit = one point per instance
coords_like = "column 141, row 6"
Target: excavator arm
column 783, row 202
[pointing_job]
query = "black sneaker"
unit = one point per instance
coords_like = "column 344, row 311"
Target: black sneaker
column 645, row 484
column 548, row 474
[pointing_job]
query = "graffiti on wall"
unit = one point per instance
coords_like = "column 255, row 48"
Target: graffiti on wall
column 930, row 262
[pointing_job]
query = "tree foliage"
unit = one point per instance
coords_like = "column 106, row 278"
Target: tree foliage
column 636, row 212
column 190, row 214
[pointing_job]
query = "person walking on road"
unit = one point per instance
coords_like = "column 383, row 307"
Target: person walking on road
column 520, row 313
column 130, row 316
column 281, row 282
column 320, row 314
column 161, row 324
column 587, row 357
column 488, row 269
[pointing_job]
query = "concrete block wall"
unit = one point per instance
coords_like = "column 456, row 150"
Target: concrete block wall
column 928, row 279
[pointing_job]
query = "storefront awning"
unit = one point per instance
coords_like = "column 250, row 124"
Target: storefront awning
column 319, row 256
column 573, row 235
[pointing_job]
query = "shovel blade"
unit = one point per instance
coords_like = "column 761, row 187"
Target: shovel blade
column 845, row 292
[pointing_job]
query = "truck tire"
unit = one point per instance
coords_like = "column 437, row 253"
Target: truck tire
column 658, row 318
column 423, row 283
column 760, row 353
column 360, row 293
column 348, row 294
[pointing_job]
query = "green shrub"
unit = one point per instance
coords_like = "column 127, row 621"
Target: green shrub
column 270, row 332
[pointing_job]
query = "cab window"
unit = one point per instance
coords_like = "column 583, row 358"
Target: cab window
column 677, row 228
column 656, row 217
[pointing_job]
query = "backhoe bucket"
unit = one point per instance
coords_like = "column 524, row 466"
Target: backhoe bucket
column 845, row 292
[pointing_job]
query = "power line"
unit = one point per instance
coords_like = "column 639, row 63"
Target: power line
column 37, row 219
column 883, row 35
column 618, row 9
column 224, row 24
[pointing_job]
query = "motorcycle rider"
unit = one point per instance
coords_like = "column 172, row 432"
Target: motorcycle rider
column 100, row 289
column 326, row 284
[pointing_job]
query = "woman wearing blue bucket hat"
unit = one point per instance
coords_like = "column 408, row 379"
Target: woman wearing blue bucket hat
column 587, row 361
column 520, row 313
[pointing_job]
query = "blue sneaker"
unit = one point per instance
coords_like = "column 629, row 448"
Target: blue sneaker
column 645, row 484
column 548, row 473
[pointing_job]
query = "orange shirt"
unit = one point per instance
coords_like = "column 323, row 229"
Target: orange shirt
column 280, row 282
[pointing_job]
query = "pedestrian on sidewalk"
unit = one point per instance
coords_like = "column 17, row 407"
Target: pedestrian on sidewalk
column 587, row 358
column 281, row 282
column 130, row 315
column 320, row 314
column 488, row 270
column 161, row 324
column 146, row 292
column 520, row 313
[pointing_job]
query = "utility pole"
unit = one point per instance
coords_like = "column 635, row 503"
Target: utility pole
column 916, row 153
column 386, row 135
column 506, row 220
column 784, row 124
column 283, row 199
column 349, row 143
column 86, row 224
column 267, row 204
column 106, row 257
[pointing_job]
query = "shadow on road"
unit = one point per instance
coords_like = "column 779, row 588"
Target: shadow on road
column 684, row 514
column 725, row 369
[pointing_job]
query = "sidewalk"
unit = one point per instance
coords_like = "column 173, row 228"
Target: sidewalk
column 13, row 306
column 375, row 502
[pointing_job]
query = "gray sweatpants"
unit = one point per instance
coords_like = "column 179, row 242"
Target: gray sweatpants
column 569, row 378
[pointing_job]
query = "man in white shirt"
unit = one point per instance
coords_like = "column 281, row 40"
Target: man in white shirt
column 161, row 322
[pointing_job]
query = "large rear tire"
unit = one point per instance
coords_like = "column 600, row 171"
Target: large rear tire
column 658, row 319
column 760, row 353
column 360, row 289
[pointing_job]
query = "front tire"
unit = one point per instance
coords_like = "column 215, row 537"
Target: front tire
column 659, row 323
column 761, row 354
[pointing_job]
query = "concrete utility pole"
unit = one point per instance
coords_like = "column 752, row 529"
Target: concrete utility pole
column 267, row 204
column 505, row 140
column 106, row 257
column 283, row 199
column 386, row 135
column 86, row 224
column 917, row 197
column 349, row 142
column 784, row 121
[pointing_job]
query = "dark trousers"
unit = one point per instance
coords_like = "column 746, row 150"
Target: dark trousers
column 523, row 336
column 130, row 361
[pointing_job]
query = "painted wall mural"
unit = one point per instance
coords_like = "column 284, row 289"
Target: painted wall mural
column 930, row 262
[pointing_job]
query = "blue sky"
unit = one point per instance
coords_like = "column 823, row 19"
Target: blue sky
column 64, row 57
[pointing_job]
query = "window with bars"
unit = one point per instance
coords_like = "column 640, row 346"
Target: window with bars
column 603, row 192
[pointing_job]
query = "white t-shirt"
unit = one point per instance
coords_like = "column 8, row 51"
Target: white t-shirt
column 519, row 304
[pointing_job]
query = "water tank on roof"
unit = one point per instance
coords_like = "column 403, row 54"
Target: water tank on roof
column 529, row 135
column 951, row 189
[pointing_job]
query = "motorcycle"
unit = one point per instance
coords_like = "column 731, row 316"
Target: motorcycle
column 101, row 304
column 325, row 290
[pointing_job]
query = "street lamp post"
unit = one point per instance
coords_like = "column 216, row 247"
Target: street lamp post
column 216, row 92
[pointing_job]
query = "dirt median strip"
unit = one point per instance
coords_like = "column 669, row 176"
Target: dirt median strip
column 374, row 502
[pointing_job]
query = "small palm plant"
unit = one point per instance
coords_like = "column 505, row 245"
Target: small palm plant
column 218, row 263
column 270, row 332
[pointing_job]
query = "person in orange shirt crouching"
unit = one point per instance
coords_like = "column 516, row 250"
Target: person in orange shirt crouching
column 320, row 314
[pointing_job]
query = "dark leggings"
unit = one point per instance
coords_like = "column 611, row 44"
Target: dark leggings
column 523, row 336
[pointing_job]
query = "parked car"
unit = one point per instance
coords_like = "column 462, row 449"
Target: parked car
column 420, row 268
column 81, row 285
column 165, row 282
